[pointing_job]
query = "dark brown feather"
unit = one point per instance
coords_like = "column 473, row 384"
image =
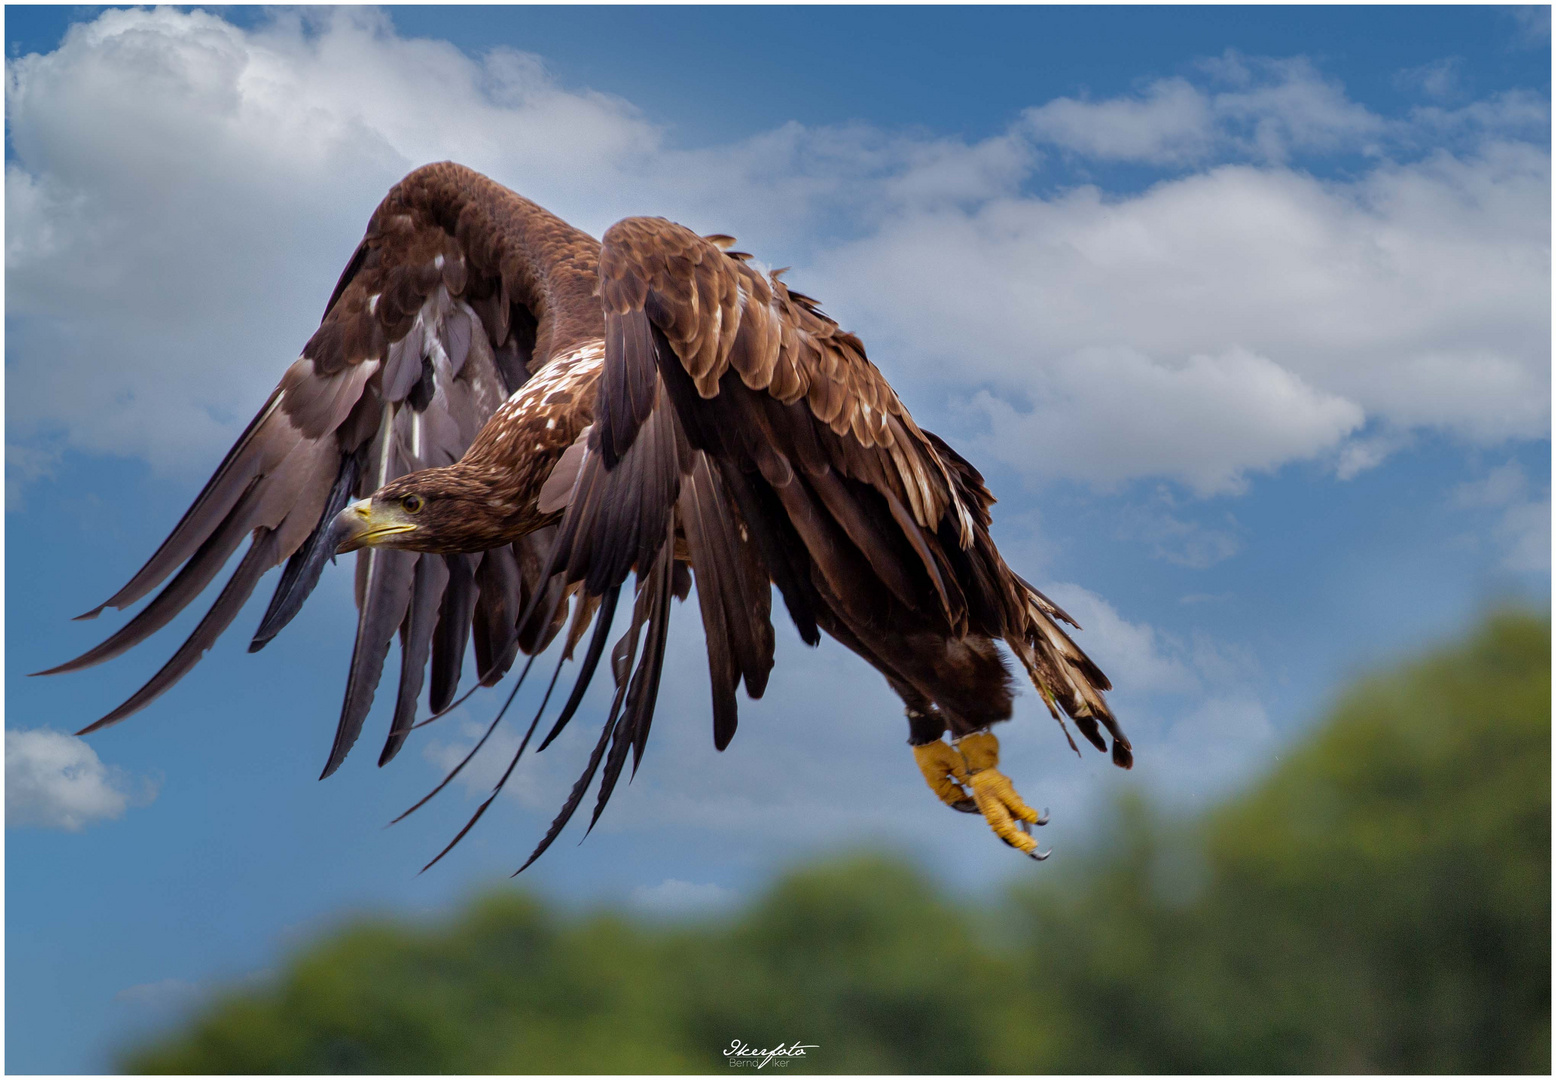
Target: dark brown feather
column 602, row 628
column 443, row 238
column 452, row 633
column 431, row 578
column 189, row 583
column 304, row 568
column 497, row 610
column 386, row 597
column 261, row 556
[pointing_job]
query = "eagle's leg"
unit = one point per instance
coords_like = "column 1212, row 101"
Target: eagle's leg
column 969, row 678
column 941, row 763
column 969, row 762
column 961, row 772
column 1005, row 811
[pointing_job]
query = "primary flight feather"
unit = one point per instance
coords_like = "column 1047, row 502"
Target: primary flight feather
column 508, row 418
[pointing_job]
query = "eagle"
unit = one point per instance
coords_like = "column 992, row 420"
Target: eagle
column 507, row 419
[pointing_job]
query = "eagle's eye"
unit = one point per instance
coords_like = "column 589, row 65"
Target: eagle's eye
column 412, row 504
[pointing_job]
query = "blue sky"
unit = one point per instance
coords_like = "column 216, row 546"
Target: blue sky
column 1245, row 313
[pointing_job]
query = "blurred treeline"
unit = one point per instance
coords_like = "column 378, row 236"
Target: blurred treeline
column 1379, row 902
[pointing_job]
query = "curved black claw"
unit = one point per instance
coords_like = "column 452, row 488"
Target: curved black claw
column 1036, row 854
column 966, row 806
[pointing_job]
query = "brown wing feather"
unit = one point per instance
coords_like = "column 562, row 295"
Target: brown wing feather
column 819, row 403
column 894, row 522
column 457, row 285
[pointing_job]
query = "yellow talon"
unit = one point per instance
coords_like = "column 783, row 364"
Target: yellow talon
column 945, row 770
column 995, row 795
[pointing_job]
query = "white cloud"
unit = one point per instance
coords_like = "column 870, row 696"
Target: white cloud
column 1156, row 663
column 1362, row 453
column 57, row 781
column 1191, row 706
column 1440, row 79
column 1169, row 123
column 1534, row 24
column 1516, row 521
column 1500, row 486
column 1264, row 109
column 23, row 466
column 167, row 999
column 188, row 192
column 1226, row 322
column 184, row 192
column 1181, row 542
column 1205, row 421
column 1526, row 529
column 1510, row 114
column 1283, row 106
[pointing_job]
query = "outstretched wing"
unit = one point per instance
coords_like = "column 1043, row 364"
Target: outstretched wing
column 766, row 384
column 734, row 415
column 806, row 434
column 734, row 418
column 424, row 336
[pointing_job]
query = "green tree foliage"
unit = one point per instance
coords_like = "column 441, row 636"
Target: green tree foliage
column 1379, row 902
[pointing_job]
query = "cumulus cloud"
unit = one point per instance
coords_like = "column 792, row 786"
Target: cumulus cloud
column 1180, row 541
column 183, row 193
column 1169, row 123
column 1270, row 110
column 1517, row 520
column 23, row 466
column 1534, row 24
column 1368, row 452
column 1278, row 107
column 167, row 999
column 187, row 192
column 1526, row 529
column 1205, row 421
column 1256, row 107
column 57, row 781
column 1441, row 79
column 1190, row 703
column 1155, row 662
column 1228, row 321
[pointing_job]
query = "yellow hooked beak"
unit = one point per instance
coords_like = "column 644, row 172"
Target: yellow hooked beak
column 362, row 524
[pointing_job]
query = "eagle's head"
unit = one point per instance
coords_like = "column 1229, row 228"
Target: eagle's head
column 445, row 511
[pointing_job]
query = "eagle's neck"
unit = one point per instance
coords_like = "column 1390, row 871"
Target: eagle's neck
column 514, row 454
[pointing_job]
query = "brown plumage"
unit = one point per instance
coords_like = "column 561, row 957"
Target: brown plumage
column 532, row 416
